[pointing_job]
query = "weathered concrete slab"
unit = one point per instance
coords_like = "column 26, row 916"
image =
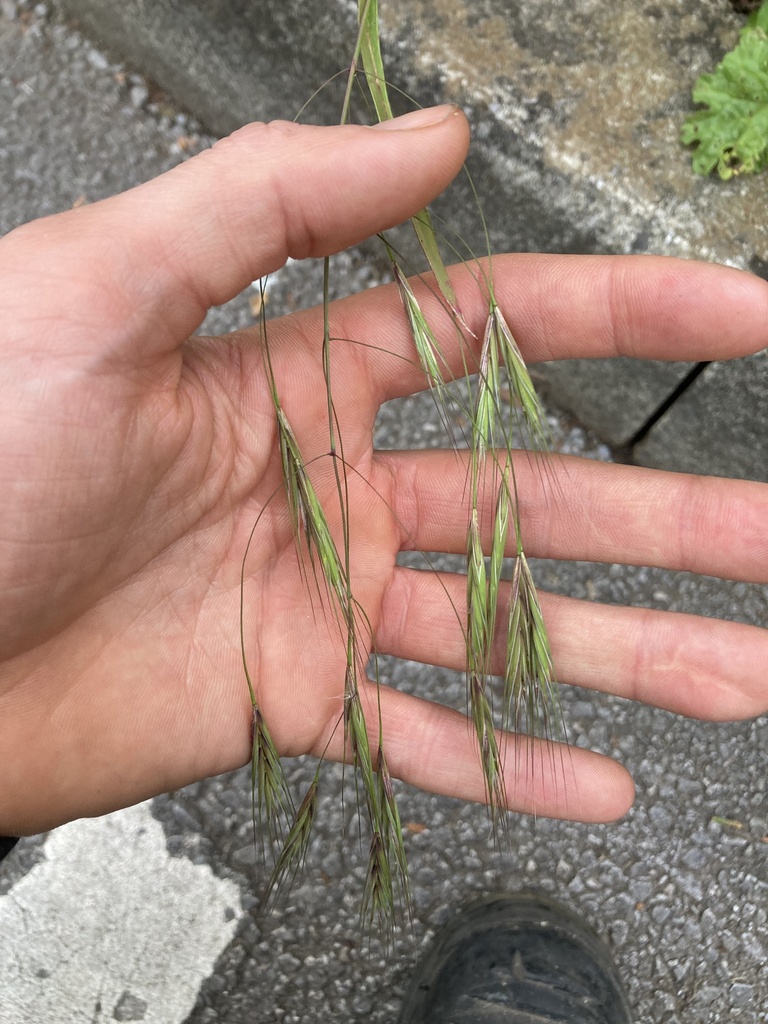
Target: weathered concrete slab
column 588, row 94
column 228, row 61
column 704, row 431
column 576, row 111
column 596, row 392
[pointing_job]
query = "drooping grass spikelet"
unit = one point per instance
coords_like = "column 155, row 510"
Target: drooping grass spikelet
column 517, row 660
column 427, row 348
column 549, row 724
column 531, row 700
column 271, row 798
column 481, row 714
column 387, row 871
column 487, row 414
column 307, row 510
column 477, row 602
column 392, row 832
column 292, row 470
column 425, row 233
column 357, row 737
column 478, row 669
column 496, row 560
column 271, row 802
column 387, row 887
column 533, row 416
column 378, row 896
column 294, row 850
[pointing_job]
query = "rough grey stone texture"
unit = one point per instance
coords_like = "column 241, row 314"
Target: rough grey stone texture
column 704, row 430
column 229, row 62
column 576, row 110
column 47, row 131
column 596, row 392
column 680, row 897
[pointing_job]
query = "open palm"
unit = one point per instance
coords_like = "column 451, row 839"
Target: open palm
column 135, row 462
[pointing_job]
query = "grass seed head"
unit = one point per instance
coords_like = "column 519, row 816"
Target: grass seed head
column 271, row 797
column 427, row 348
column 294, row 851
column 534, row 420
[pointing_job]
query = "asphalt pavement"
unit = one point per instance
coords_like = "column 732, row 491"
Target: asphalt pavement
column 154, row 913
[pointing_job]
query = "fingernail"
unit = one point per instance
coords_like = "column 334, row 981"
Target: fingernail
column 424, row 118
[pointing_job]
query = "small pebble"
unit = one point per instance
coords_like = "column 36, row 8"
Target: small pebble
column 741, row 994
column 139, row 95
column 98, row 60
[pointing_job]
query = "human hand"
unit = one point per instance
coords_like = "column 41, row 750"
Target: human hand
column 134, row 463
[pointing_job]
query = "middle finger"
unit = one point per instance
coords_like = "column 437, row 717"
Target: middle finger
column 577, row 509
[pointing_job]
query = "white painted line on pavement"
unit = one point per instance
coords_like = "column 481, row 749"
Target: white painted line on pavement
column 111, row 927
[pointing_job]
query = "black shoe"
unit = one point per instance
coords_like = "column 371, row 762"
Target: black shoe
column 7, row 843
column 516, row 960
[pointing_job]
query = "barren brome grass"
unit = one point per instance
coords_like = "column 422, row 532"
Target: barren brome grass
column 504, row 636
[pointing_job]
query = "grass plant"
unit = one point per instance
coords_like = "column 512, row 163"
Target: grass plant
column 525, row 701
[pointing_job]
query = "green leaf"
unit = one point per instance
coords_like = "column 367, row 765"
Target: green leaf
column 731, row 135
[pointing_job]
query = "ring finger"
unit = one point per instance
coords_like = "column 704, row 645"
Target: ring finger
column 691, row 665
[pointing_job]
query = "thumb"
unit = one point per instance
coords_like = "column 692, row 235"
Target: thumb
column 161, row 254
